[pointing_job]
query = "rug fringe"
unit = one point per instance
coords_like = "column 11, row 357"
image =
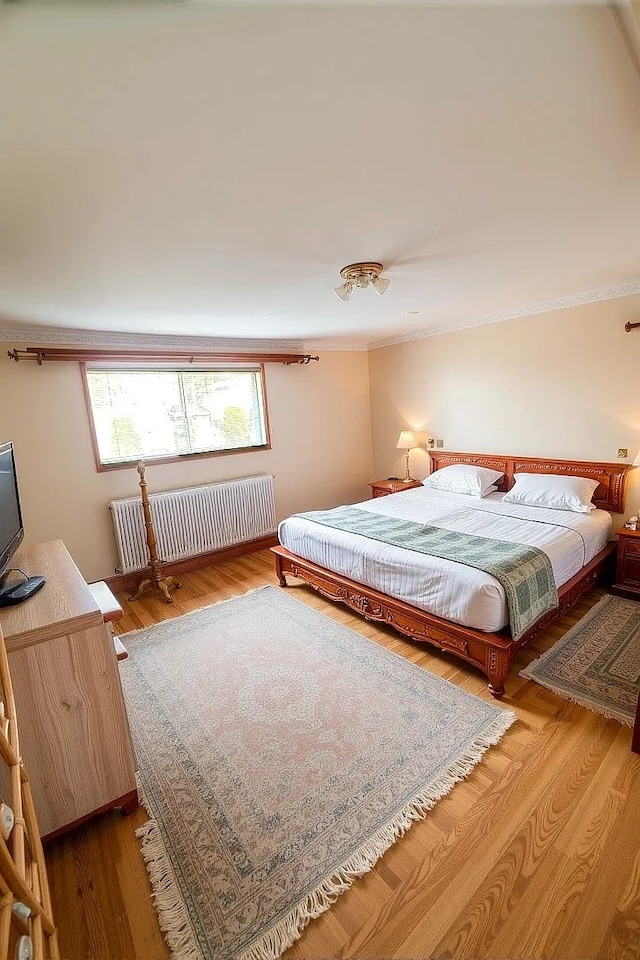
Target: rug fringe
column 171, row 908
column 280, row 937
column 622, row 718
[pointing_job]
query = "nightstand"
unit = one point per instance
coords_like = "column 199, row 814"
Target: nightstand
column 627, row 582
column 382, row 488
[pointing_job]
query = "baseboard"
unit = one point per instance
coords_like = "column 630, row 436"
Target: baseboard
column 129, row 581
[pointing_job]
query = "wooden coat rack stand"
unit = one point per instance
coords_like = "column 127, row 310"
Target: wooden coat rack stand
column 155, row 581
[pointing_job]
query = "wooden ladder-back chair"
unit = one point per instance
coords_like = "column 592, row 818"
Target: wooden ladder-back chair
column 26, row 923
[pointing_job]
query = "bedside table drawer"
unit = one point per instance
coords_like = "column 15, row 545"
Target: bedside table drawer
column 627, row 582
column 382, row 488
column 629, row 572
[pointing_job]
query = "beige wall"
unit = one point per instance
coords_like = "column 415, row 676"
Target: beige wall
column 562, row 384
column 320, row 435
column 559, row 384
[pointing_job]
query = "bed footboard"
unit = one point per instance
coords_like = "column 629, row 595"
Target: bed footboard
column 491, row 653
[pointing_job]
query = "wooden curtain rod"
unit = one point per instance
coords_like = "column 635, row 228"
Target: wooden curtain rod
column 40, row 354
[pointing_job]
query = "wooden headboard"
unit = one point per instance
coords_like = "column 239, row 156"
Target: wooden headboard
column 611, row 477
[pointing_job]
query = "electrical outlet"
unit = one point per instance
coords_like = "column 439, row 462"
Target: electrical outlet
column 431, row 443
column 623, row 452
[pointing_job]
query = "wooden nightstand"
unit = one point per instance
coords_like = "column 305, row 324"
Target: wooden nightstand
column 627, row 582
column 382, row 488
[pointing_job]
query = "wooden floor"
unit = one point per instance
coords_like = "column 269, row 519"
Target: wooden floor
column 535, row 855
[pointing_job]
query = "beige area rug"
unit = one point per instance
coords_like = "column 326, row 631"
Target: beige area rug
column 280, row 754
column 597, row 663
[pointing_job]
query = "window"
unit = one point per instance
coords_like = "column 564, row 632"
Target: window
column 166, row 414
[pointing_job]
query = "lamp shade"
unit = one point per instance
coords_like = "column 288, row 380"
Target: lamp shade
column 344, row 291
column 406, row 441
column 380, row 285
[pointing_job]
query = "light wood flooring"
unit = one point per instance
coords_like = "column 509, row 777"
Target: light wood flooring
column 535, row 855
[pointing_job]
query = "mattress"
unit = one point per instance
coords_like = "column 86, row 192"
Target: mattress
column 447, row 589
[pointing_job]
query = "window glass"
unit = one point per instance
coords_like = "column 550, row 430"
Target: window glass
column 153, row 414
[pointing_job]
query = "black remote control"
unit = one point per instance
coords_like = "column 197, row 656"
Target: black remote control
column 21, row 591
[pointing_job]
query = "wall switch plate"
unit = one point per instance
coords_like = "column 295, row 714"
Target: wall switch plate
column 623, row 452
column 439, row 443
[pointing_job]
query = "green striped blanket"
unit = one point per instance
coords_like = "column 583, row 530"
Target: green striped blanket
column 524, row 572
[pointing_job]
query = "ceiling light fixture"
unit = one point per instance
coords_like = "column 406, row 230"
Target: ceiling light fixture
column 361, row 275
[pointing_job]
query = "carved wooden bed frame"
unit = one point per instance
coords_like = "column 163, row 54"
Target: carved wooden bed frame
column 492, row 653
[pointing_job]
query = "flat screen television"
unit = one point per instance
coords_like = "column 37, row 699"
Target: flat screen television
column 12, row 532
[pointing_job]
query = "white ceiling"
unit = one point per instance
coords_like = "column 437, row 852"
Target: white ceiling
column 205, row 170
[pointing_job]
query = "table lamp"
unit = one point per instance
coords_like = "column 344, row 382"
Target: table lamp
column 406, row 442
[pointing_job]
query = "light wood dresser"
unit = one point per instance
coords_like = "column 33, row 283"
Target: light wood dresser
column 74, row 732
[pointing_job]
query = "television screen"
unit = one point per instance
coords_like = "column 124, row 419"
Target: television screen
column 11, row 531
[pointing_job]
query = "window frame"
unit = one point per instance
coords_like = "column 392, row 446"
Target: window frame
column 172, row 367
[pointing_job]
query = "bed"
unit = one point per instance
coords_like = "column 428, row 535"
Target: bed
column 457, row 608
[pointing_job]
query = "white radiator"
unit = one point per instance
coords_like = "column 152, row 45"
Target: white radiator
column 195, row 520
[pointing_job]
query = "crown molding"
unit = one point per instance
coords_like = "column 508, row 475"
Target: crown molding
column 561, row 303
column 313, row 346
column 626, row 20
column 98, row 338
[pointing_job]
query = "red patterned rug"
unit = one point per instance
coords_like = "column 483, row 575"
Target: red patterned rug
column 280, row 754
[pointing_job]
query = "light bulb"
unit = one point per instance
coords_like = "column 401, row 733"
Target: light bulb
column 380, row 285
column 343, row 291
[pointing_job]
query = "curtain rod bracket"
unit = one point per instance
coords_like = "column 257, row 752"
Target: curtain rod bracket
column 17, row 355
column 631, row 326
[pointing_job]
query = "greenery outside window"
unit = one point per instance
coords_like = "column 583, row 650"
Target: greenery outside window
column 167, row 414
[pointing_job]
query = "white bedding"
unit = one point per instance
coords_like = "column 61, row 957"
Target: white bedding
column 447, row 589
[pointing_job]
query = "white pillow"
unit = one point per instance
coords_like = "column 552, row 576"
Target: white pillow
column 553, row 492
column 464, row 478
